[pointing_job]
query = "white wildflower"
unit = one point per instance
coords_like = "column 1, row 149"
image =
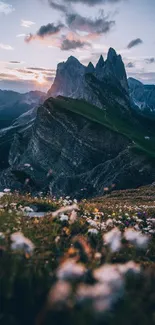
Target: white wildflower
column 27, row 165
column 93, row 231
column 103, row 226
column 102, row 295
column 2, row 236
column 7, row 190
column 108, row 273
column 63, row 217
column 70, row 270
column 73, row 217
column 151, row 221
column 65, row 209
column 129, row 267
column 59, row 293
column 136, row 238
column 99, row 294
column 57, row 239
column 136, row 227
column 20, row 242
column 93, row 223
column 113, row 239
column 109, row 222
column 112, row 273
column 98, row 256
column 151, row 231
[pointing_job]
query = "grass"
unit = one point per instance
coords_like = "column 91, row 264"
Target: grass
column 27, row 281
column 134, row 127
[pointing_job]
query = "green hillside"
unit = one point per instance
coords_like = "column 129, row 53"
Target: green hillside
column 138, row 129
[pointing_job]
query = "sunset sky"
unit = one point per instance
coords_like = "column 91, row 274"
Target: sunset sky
column 38, row 34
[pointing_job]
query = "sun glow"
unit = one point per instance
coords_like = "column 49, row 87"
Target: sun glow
column 40, row 79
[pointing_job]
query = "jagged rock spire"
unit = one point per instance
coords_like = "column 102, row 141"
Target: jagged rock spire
column 111, row 54
column 90, row 68
column 100, row 63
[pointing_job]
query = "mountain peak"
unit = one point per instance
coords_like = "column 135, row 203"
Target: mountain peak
column 72, row 59
column 70, row 75
column 90, row 68
column 135, row 82
column 100, row 62
column 111, row 54
column 100, row 67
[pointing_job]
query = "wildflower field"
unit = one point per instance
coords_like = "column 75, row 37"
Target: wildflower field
column 76, row 263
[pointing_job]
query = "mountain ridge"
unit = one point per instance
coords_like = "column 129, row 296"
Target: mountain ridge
column 90, row 138
column 70, row 76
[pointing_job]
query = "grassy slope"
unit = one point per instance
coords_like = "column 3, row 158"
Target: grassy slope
column 25, row 280
column 134, row 128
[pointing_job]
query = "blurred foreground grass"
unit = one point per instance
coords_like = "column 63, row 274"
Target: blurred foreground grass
column 34, row 288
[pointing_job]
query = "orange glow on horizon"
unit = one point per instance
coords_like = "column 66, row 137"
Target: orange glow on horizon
column 40, row 79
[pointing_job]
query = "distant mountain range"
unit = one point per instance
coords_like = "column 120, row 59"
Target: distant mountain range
column 88, row 135
column 143, row 96
column 13, row 104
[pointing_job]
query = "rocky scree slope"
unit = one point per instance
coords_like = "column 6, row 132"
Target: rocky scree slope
column 73, row 155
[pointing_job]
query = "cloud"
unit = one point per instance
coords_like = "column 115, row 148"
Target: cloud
column 130, row 65
column 94, row 2
column 49, row 29
column 72, row 44
column 6, row 8
column 26, row 78
column 26, row 74
column 41, row 69
column 14, row 62
column 134, row 43
column 23, row 86
column 45, row 31
column 21, row 35
column 6, row 47
column 62, row 5
column 100, row 25
column 150, row 60
column 27, row 23
column 7, row 76
column 58, row 6
column 24, row 71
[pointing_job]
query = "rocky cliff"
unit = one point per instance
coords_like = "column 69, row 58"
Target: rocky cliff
column 73, row 155
column 74, row 79
column 83, row 143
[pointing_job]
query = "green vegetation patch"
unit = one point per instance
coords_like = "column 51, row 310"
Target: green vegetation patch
column 136, row 128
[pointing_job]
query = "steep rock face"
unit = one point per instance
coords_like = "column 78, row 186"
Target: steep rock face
column 72, row 78
column 68, row 78
column 100, row 68
column 143, row 96
column 72, row 155
column 112, row 69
